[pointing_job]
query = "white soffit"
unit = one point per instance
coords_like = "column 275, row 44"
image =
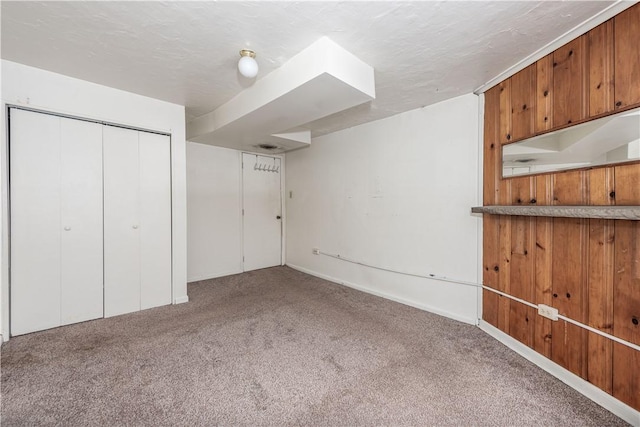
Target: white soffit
column 321, row 80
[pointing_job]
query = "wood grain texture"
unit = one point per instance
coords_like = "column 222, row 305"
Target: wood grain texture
column 523, row 103
column 569, row 188
column 492, row 153
column 626, row 318
column 522, row 270
column 601, row 89
column 567, row 292
column 569, row 82
column 542, row 338
column 544, row 93
column 600, row 298
column 627, row 185
column 627, row 57
column 490, row 268
column 504, row 257
column 505, row 111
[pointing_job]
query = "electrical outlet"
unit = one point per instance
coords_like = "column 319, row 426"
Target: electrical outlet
column 548, row 312
column 316, row 251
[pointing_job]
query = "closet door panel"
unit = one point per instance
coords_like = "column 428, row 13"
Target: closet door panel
column 155, row 220
column 121, row 221
column 81, row 215
column 35, row 221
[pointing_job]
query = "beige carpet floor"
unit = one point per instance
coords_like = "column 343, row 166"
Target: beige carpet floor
column 278, row 347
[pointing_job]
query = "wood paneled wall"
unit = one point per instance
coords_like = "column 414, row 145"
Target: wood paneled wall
column 587, row 268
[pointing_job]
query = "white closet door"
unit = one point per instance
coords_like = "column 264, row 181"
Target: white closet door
column 261, row 203
column 121, row 221
column 81, row 220
column 35, row 221
column 155, row 220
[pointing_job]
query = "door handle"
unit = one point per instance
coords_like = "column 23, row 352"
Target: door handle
column 278, row 217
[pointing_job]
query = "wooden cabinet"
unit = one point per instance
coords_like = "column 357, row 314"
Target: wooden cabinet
column 627, row 57
column 523, row 103
column 569, row 83
column 601, row 69
column 544, row 94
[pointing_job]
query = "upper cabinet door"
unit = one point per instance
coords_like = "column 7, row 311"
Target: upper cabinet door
column 523, row 100
column 569, row 83
column 601, row 69
column 627, row 57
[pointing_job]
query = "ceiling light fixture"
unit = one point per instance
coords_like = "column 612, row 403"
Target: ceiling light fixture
column 247, row 65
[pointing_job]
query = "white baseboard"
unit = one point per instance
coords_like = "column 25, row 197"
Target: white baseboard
column 181, row 300
column 212, row 276
column 602, row 398
column 431, row 309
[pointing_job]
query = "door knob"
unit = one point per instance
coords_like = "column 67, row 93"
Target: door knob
column 67, row 228
column 278, row 217
column 135, row 227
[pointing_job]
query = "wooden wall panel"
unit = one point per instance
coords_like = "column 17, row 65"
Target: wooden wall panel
column 600, row 297
column 544, row 93
column 490, row 270
column 627, row 188
column 587, row 268
column 523, row 101
column 504, row 280
column 601, row 69
column 492, row 148
column 569, row 80
column 505, row 111
column 626, row 318
column 569, row 188
column 521, row 317
column 567, row 287
column 627, row 57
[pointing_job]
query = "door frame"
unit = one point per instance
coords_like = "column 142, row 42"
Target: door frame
column 283, row 223
column 5, row 258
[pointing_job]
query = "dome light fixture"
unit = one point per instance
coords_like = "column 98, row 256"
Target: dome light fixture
column 247, row 65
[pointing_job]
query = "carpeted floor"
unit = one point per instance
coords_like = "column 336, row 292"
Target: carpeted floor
column 278, row 347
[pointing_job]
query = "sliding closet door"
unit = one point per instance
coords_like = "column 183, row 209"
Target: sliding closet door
column 155, row 220
column 81, row 295
column 35, row 221
column 56, row 221
column 121, row 221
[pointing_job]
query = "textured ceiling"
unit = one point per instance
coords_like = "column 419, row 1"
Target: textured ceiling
column 186, row 52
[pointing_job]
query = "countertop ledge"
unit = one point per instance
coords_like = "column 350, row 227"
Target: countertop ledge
column 601, row 212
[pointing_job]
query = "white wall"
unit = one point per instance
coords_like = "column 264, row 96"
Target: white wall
column 214, row 217
column 395, row 193
column 28, row 86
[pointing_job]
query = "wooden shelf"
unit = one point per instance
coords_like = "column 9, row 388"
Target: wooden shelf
column 602, row 212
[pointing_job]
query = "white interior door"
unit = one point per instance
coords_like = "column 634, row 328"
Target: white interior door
column 81, row 220
column 155, row 220
column 262, row 211
column 35, row 221
column 121, row 221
